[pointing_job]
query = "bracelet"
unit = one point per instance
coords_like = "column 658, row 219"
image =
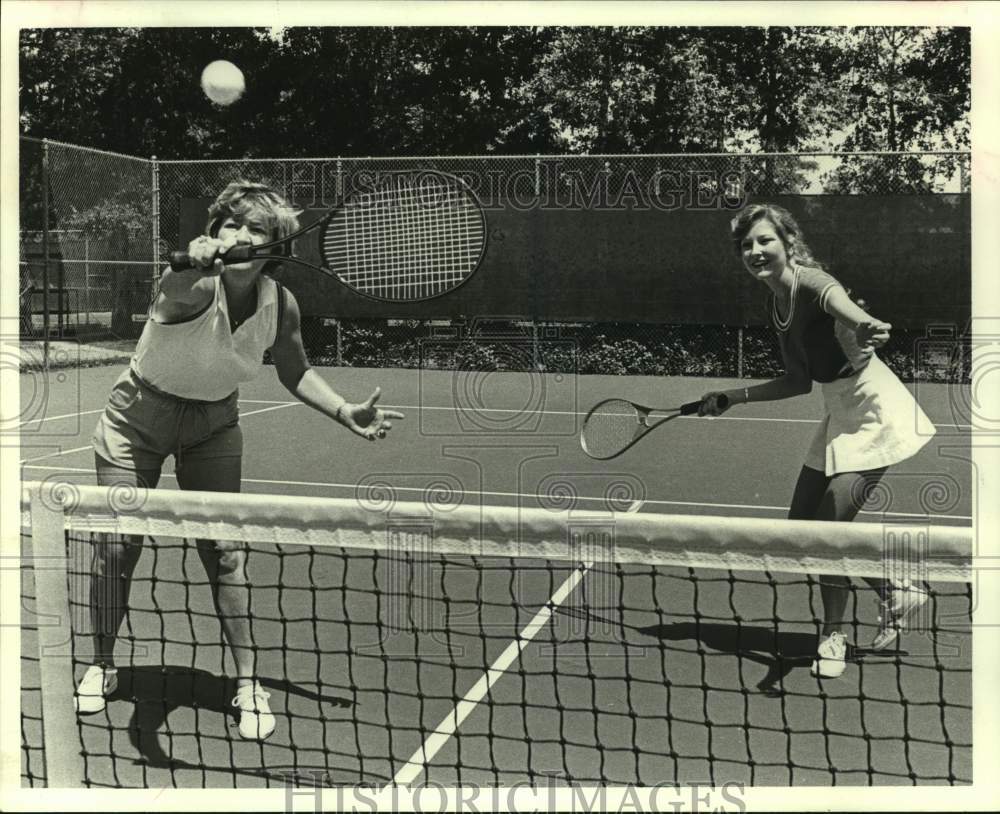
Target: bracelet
column 746, row 395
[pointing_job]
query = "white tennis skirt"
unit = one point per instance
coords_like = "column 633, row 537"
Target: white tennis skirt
column 871, row 421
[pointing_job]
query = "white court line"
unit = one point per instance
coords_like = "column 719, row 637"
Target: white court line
column 353, row 487
column 56, row 417
column 280, row 405
column 101, row 410
column 27, row 461
column 504, row 410
column 453, row 720
column 758, row 419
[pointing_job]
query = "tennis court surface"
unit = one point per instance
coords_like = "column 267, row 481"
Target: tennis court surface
column 535, row 618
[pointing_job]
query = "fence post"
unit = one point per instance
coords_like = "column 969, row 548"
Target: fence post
column 86, row 279
column 739, row 352
column 536, row 359
column 46, row 319
column 340, row 354
column 156, row 224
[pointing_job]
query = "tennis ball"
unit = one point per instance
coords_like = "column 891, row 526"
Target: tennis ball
column 222, row 82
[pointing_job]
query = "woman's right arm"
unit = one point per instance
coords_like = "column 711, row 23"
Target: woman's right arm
column 182, row 293
column 184, row 287
column 784, row 387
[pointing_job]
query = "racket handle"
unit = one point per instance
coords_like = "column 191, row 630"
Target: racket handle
column 692, row 407
column 181, row 261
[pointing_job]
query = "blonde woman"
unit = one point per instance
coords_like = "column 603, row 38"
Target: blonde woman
column 207, row 332
column 870, row 417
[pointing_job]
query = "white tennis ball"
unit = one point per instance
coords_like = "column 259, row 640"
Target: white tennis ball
column 222, row 82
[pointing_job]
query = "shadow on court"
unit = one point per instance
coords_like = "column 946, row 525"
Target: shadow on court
column 779, row 652
column 157, row 692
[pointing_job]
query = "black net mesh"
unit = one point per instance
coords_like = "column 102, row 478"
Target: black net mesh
column 433, row 656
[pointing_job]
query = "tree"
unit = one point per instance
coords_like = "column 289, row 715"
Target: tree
column 63, row 74
column 690, row 105
column 592, row 82
column 907, row 89
column 137, row 91
column 406, row 91
column 463, row 90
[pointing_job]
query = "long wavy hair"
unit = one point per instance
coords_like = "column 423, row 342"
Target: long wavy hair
column 785, row 227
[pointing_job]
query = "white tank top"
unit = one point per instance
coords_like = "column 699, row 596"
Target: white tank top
column 199, row 357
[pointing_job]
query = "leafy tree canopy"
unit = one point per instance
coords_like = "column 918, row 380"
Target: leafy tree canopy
column 475, row 90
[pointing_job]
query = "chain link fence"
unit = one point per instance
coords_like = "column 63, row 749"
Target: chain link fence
column 112, row 221
column 86, row 259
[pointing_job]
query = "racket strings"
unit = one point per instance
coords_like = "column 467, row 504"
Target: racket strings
column 611, row 427
column 408, row 242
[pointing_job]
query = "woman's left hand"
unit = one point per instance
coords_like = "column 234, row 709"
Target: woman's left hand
column 367, row 420
column 872, row 333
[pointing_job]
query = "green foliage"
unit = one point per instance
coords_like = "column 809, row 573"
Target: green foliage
column 109, row 217
column 619, row 358
column 470, row 90
column 904, row 89
column 601, row 349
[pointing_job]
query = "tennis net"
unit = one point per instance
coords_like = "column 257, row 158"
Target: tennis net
column 458, row 644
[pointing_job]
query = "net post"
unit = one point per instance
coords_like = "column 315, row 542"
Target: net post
column 64, row 765
column 46, row 318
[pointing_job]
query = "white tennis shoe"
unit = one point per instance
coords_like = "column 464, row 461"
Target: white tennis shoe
column 902, row 602
column 94, row 688
column 256, row 719
column 831, row 657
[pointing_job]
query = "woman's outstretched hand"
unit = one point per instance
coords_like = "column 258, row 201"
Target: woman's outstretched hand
column 872, row 333
column 367, row 420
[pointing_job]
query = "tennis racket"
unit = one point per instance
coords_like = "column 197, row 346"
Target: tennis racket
column 420, row 235
column 614, row 425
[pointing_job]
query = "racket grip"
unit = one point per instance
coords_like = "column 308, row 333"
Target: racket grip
column 181, row 261
column 692, row 407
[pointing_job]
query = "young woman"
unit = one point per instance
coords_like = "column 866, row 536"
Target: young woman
column 871, row 418
column 207, row 332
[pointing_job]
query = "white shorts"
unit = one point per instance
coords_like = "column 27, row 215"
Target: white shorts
column 871, row 421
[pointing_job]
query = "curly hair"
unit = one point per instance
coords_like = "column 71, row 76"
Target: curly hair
column 785, row 227
column 242, row 198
